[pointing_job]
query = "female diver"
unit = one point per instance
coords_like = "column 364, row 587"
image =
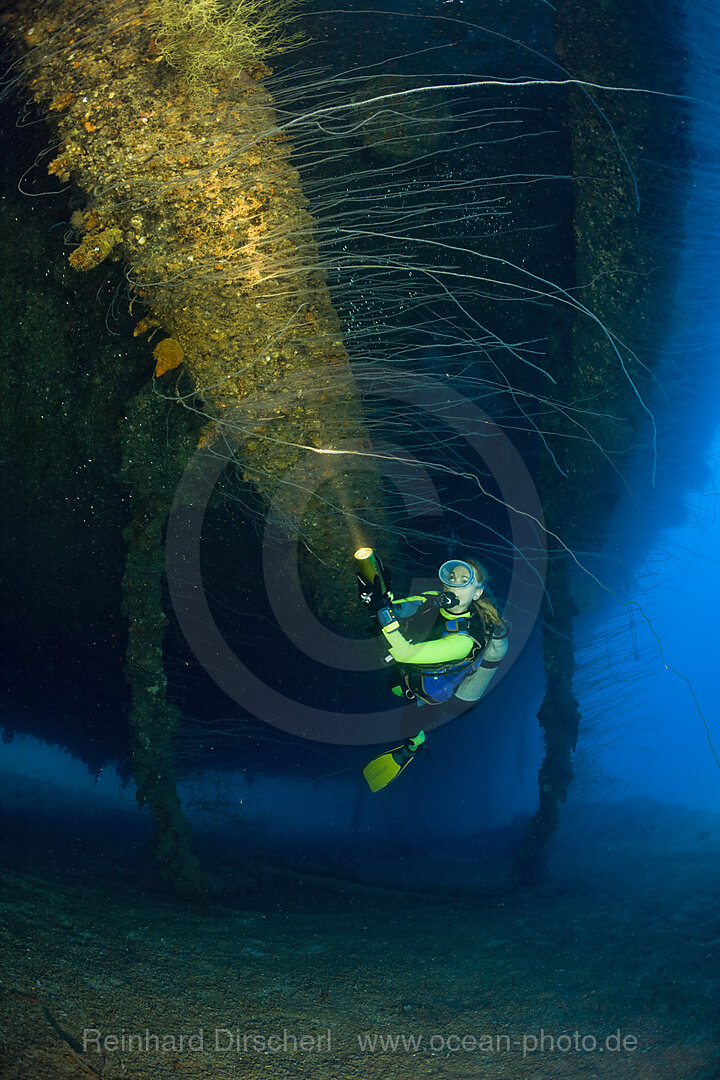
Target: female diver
column 448, row 643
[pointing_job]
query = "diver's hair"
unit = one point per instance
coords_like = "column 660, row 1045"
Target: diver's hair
column 486, row 606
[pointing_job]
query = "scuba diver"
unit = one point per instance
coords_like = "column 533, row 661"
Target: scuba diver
column 447, row 643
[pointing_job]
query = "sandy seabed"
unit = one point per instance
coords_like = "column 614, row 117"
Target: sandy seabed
column 608, row 969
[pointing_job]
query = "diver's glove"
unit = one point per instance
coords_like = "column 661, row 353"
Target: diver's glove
column 370, row 594
column 374, row 594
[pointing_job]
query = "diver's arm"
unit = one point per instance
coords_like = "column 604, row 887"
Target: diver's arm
column 452, row 647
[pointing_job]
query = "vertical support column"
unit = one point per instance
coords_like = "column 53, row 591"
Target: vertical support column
column 559, row 717
column 152, row 463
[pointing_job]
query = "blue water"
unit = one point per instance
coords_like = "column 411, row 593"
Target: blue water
column 649, row 666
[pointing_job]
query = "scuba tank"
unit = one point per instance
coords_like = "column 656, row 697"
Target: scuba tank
column 474, row 686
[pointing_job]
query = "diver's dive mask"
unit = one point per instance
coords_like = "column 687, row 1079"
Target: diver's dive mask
column 456, row 574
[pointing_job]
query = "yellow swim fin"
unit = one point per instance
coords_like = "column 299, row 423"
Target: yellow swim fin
column 381, row 770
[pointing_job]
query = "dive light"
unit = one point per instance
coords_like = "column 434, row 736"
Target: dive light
column 370, row 569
